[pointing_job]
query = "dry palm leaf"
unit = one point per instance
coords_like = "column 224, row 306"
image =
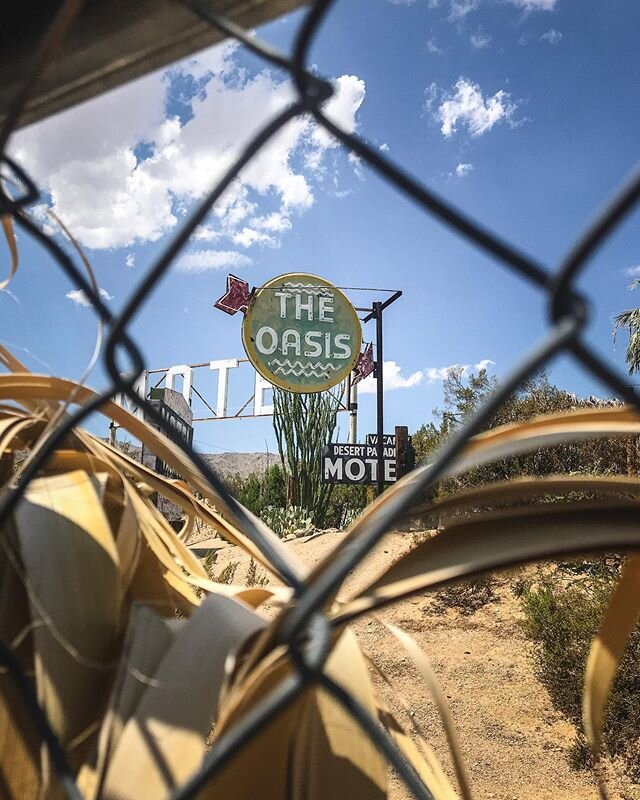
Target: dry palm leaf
column 92, row 576
column 10, row 236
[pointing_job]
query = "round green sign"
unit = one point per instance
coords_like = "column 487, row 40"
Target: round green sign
column 301, row 333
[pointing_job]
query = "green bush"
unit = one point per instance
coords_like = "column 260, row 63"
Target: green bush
column 263, row 492
column 344, row 505
column 260, row 490
column 562, row 614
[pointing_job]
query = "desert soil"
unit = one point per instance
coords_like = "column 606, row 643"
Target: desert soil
column 515, row 744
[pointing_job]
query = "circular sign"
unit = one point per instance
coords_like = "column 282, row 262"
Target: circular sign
column 301, row 333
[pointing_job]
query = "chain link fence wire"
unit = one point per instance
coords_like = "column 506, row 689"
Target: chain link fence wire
column 306, row 631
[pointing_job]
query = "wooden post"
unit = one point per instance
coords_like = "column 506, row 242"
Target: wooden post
column 402, row 441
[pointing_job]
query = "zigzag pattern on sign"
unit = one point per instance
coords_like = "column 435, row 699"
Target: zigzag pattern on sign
column 308, row 288
column 299, row 369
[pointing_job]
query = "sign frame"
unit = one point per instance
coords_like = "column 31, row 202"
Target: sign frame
column 257, row 359
column 338, row 458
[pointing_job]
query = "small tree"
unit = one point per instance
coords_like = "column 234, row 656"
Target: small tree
column 304, row 424
column 631, row 321
column 463, row 394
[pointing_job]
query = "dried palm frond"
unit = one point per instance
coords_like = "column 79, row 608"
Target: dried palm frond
column 93, row 575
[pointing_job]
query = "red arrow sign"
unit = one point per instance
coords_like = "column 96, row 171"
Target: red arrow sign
column 236, row 298
column 364, row 365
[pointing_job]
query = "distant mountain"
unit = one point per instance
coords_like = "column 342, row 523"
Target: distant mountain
column 242, row 464
column 224, row 464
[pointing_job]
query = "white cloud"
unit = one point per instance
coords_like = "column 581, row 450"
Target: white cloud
column 480, row 40
column 78, row 297
column 463, row 169
column 633, row 272
column 534, row 5
column 275, row 221
column 441, row 373
column 384, row 148
column 341, row 109
column 466, row 106
column 247, row 237
column 130, row 260
column 202, row 260
column 552, row 36
column 120, row 172
column 206, row 234
column 392, row 379
column 432, row 47
column 460, row 9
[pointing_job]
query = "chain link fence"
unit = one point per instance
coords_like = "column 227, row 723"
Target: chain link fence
column 306, row 631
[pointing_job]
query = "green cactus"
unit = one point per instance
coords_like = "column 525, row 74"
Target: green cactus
column 285, row 521
column 304, row 424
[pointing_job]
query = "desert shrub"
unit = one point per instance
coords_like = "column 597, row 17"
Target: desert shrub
column 344, row 505
column 466, row 597
column 260, row 490
column 263, row 492
column 464, row 393
column 226, row 574
column 562, row 614
column 255, row 576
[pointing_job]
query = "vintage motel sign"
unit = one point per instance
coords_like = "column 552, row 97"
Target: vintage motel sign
column 301, row 333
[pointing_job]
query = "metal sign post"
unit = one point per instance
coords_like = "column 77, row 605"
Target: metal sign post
column 379, row 375
column 376, row 312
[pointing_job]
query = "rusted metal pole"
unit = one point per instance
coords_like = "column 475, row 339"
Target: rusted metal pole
column 377, row 310
column 352, row 402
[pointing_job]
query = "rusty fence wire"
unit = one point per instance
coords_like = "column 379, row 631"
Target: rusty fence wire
column 307, row 631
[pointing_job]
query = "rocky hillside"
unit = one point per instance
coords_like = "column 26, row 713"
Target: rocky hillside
column 241, row 463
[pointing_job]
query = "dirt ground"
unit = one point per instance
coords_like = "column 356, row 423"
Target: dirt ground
column 514, row 743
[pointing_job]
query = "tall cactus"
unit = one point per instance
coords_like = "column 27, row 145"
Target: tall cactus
column 304, row 424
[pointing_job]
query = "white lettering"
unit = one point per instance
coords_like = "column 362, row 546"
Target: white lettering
column 332, row 469
column 354, row 469
column 260, row 345
column 140, row 388
column 187, row 379
column 261, row 386
column 389, row 471
column 284, row 296
column 291, row 338
column 344, row 348
column 223, row 368
column 327, row 345
column 325, row 306
column 308, row 306
column 309, row 340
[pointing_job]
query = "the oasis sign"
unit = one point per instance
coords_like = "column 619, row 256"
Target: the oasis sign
column 301, row 333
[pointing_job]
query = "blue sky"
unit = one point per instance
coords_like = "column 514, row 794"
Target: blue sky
column 522, row 112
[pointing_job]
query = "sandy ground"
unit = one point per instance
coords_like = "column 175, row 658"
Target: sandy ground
column 514, row 743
